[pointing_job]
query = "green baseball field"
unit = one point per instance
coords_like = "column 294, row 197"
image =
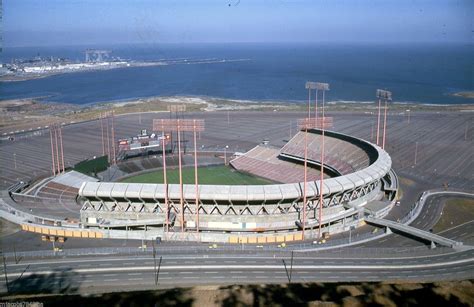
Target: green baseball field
column 206, row 175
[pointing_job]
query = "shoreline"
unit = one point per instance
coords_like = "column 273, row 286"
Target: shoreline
column 111, row 66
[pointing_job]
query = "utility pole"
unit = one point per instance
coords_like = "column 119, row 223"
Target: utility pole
column 154, row 260
column 6, row 274
column 14, row 253
column 158, row 271
column 291, row 266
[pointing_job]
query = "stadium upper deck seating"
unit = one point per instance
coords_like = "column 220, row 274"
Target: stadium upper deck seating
column 339, row 154
column 263, row 161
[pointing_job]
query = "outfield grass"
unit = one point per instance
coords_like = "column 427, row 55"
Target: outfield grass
column 206, row 175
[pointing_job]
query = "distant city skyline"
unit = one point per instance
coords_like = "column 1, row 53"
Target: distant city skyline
column 80, row 22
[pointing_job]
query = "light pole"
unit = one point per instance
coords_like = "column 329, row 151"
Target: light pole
column 225, row 154
column 416, row 151
column 350, row 233
column 408, row 113
column 386, row 96
column 14, row 158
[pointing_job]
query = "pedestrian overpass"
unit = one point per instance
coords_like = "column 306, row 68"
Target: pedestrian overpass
column 425, row 235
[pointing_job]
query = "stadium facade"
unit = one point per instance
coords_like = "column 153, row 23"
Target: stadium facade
column 358, row 181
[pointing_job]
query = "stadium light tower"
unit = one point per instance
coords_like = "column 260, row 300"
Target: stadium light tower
column 198, row 126
column 305, row 124
column 386, row 96
column 101, row 119
column 114, row 160
column 310, row 85
column 181, row 125
column 323, row 87
column 57, row 149
column 165, row 180
column 52, row 150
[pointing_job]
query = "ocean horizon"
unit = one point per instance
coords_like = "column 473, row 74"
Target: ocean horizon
column 415, row 73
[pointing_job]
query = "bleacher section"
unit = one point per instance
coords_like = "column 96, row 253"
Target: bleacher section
column 263, row 161
column 340, row 155
column 141, row 164
column 73, row 179
column 63, row 187
column 53, row 190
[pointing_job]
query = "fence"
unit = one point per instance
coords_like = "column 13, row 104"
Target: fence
column 225, row 250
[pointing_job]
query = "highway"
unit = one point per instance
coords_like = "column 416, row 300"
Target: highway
column 127, row 273
column 427, row 218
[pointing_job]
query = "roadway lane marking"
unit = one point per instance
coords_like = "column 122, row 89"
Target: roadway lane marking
column 107, row 280
column 58, row 261
column 272, row 267
column 137, row 278
column 463, row 224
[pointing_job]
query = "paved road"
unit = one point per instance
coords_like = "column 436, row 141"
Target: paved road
column 427, row 218
column 122, row 273
column 361, row 263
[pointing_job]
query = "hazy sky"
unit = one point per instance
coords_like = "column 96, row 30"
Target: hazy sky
column 72, row 22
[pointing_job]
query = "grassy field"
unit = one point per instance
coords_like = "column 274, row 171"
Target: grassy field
column 456, row 212
column 207, row 175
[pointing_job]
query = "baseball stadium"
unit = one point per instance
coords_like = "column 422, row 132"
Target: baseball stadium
column 159, row 186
